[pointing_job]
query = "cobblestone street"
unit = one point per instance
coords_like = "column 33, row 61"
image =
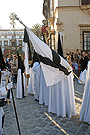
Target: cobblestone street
column 35, row 119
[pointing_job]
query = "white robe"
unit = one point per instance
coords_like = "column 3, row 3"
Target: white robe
column 31, row 81
column 36, row 69
column 19, row 85
column 1, row 115
column 3, row 92
column 44, row 90
column 61, row 98
column 82, row 76
column 85, row 107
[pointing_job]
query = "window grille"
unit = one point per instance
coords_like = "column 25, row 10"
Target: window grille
column 85, row 2
column 85, row 37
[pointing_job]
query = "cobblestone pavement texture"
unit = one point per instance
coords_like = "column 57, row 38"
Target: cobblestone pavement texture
column 34, row 121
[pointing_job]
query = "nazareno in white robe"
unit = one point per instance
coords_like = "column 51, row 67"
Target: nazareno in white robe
column 44, row 90
column 36, row 69
column 82, row 76
column 61, row 98
column 19, row 84
column 31, row 82
column 85, row 107
column 3, row 92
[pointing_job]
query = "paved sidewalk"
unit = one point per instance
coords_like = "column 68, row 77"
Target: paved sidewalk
column 34, row 119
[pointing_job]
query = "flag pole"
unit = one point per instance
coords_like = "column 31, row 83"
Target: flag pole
column 19, row 21
column 78, row 78
column 15, row 112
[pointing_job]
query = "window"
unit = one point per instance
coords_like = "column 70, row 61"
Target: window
column 20, row 42
column 6, row 43
column 85, row 2
column 19, row 36
column 86, row 40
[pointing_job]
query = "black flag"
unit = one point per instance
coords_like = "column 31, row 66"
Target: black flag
column 20, row 63
column 2, row 63
column 26, row 40
column 60, row 50
column 21, row 66
column 43, row 38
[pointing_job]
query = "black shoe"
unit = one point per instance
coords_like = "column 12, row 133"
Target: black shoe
column 36, row 100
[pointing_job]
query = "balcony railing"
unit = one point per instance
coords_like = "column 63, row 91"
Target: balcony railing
column 85, row 2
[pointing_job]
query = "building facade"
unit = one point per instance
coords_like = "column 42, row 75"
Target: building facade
column 70, row 18
column 11, row 39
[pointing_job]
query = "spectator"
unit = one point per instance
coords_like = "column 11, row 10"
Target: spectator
column 15, row 67
column 75, row 64
column 72, row 56
column 77, row 55
column 69, row 60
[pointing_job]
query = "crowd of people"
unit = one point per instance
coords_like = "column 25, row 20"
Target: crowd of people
column 78, row 61
column 11, row 62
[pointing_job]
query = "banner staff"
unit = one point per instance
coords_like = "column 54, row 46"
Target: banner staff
column 26, row 26
column 15, row 112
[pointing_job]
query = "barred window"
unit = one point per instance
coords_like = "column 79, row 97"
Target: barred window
column 85, row 2
column 6, row 43
column 86, row 40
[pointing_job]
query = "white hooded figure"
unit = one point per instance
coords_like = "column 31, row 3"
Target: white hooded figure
column 82, row 76
column 85, row 107
column 34, row 82
column 19, row 85
column 3, row 92
column 36, row 69
column 30, row 81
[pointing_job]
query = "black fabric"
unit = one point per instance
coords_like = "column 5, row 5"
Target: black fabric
column 83, row 62
column 26, row 40
column 30, row 58
column 8, row 94
column 3, row 120
column 22, row 86
column 60, row 50
column 21, row 66
column 55, row 63
column 26, row 37
column 2, row 102
column 0, row 77
column 20, row 63
column 43, row 38
column 2, row 63
column 35, row 58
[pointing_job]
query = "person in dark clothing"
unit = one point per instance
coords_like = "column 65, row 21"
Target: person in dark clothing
column 83, row 61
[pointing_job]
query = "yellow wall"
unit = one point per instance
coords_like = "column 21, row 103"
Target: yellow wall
column 71, row 18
